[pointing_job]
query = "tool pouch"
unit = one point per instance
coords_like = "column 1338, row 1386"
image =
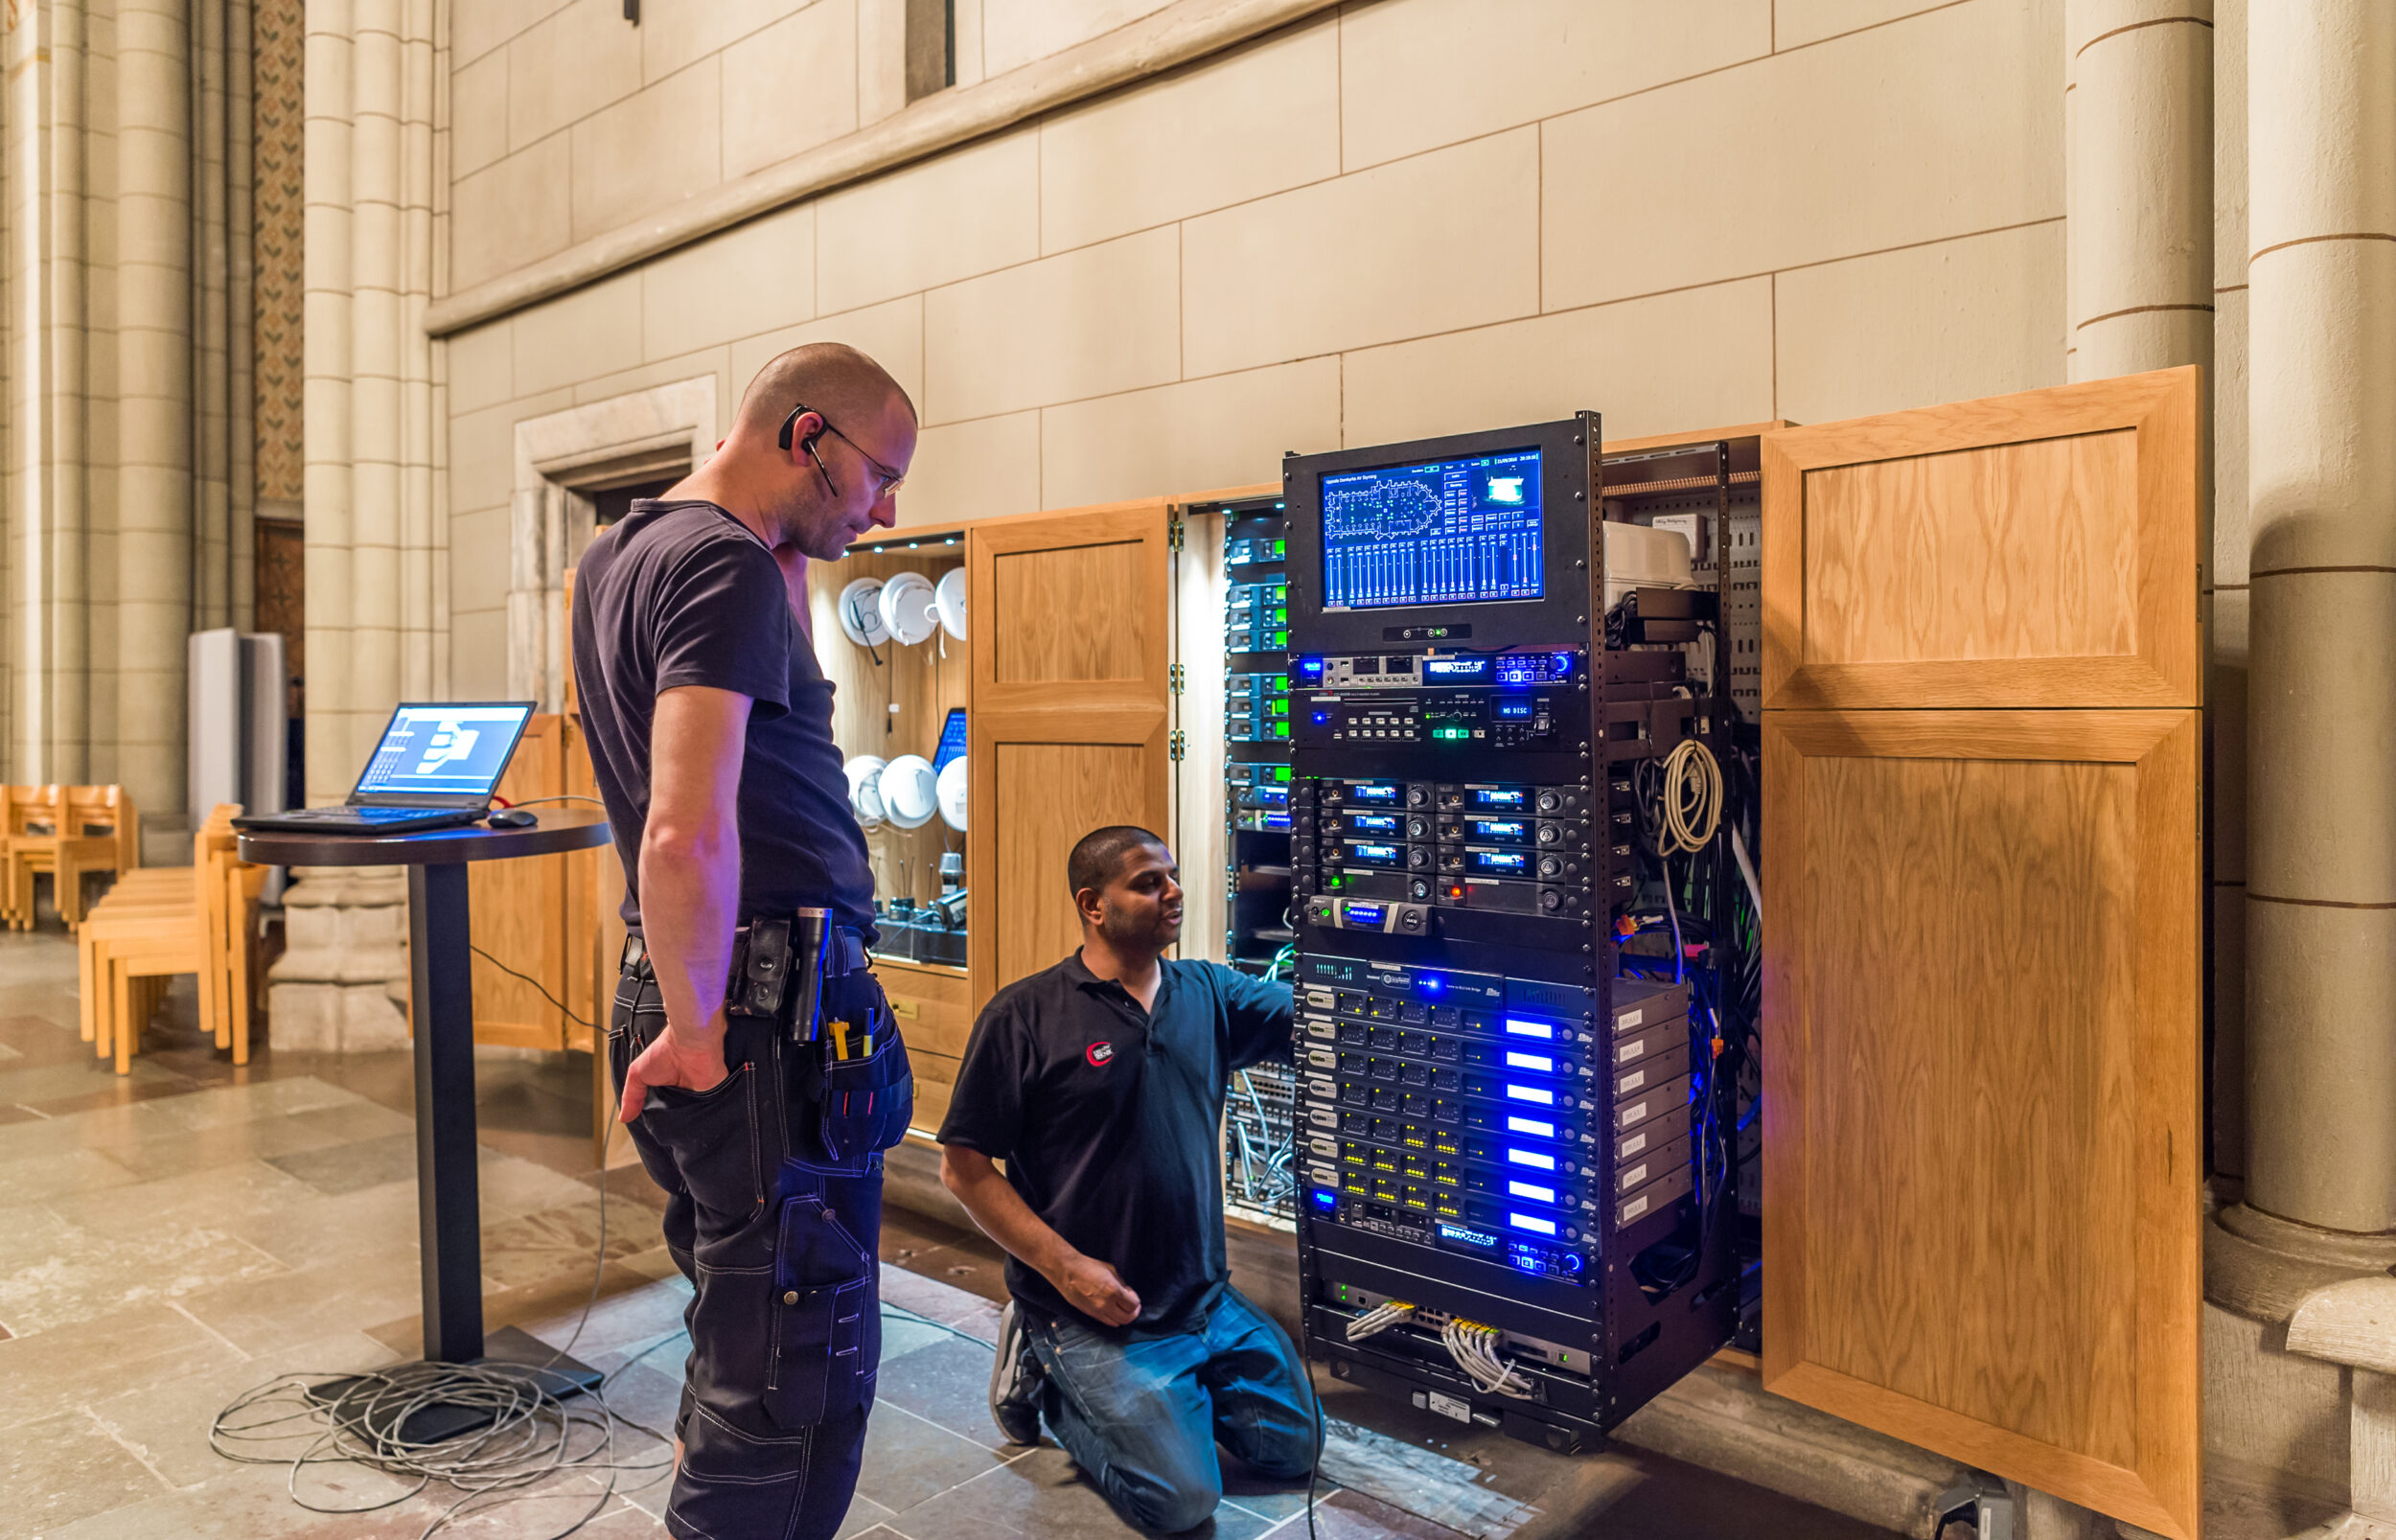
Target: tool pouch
column 864, row 1102
column 761, row 970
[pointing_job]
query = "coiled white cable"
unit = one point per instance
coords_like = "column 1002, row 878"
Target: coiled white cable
column 1691, row 799
column 1474, row 1348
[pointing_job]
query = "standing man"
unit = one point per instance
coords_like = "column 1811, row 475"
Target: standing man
column 1100, row 1083
column 710, row 733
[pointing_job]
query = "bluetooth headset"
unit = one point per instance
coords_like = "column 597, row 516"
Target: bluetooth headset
column 807, row 444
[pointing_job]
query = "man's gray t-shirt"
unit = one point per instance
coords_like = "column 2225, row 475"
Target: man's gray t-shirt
column 681, row 593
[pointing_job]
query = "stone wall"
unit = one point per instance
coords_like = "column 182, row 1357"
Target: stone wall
column 1388, row 219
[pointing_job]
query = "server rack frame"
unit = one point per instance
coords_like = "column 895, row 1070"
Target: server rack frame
column 1636, row 1344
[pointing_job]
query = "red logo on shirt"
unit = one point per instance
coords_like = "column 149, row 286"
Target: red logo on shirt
column 1098, row 1054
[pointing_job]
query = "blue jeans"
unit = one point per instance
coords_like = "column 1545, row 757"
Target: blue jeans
column 1143, row 1416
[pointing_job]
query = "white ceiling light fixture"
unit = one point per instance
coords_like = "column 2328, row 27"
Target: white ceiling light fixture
column 907, row 609
column 949, row 599
column 951, row 793
column 861, row 613
column 865, row 790
column 909, row 792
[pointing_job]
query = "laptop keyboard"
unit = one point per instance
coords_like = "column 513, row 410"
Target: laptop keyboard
column 367, row 814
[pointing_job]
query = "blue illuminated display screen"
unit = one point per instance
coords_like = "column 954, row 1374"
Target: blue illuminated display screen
column 1448, row 532
column 951, row 739
column 462, row 749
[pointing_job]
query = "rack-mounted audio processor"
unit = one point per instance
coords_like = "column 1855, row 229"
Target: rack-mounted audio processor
column 1515, row 1181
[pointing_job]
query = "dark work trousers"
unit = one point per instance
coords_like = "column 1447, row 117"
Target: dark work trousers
column 779, row 1240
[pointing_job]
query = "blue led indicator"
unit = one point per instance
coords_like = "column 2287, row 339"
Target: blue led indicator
column 1325, row 1198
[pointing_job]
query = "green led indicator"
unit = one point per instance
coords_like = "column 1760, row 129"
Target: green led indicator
column 1281, row 547
column 1281, row 773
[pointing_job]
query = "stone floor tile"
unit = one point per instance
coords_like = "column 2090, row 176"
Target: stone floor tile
column 104, row 1129
column 81, row 1271
column 306, row 1228
column 1038, row 1495
column 252, row 1502
column 935, row 1299
column 242, row 1198
column 114, row 1093
column 167, row 1422
column 260, row 1098
column 38, row 1085
column 908, row 1461
column 864, row 1517
column 65, row 1175
column 55, row 1371
column 337, row 1168
column 530, row 1248
column 172, row 1149
column 32, row 1040
column 1354, row 1516
column 947, row 1383
column 630, row 1312
column 58, row 1470
column 340, row 1294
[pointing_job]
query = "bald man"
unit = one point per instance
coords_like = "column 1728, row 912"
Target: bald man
column 710, row 733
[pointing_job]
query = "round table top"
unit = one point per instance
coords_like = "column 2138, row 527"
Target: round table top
column 560, row 829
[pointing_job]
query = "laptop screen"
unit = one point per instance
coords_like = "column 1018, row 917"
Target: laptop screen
column 444, row 751
column 951, row 739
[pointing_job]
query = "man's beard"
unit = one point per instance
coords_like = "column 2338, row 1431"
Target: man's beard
column 1122, row 931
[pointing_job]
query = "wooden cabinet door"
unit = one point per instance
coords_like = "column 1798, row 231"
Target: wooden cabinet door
column 516, row 911
column 2032, row 550
column 1982, row 1200
column 1071, row 634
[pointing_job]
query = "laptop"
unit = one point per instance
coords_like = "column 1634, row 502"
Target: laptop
column 435, row 768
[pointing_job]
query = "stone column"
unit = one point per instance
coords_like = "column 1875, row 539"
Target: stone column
column 374, row 544
column 211, row 535
column 46, row 603
column 2322, row 478
column 154, row 410
column 241, row 328
column 2138, row 185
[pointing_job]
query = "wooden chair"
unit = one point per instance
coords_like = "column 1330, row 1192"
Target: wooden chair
column 152, row 927
column 86, row 829
column 30, row 820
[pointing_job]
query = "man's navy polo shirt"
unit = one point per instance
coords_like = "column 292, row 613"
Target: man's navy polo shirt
column 1106, row 1117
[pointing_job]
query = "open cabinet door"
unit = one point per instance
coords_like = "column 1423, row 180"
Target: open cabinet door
column 1981, row 860
column 1070, row 633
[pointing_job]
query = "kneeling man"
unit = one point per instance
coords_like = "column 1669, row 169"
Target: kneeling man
column 1100, row 1083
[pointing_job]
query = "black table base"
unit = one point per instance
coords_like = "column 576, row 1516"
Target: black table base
column 510, row 1347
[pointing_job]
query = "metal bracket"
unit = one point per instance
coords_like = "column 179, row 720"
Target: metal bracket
column 1983, row 1503
column 1176, row 677
column 1173, row 527
column 1178, row 744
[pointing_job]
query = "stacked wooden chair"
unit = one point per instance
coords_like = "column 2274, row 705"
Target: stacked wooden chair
column 155, row 924
column 66, row 831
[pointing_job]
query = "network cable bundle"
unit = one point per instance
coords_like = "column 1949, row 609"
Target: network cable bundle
column 1258, row 1153
column 1515, row 1147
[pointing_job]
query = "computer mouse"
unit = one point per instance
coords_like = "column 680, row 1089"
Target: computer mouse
column 512, row 819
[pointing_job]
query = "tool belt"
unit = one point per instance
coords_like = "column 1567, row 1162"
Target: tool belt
column 812, row 978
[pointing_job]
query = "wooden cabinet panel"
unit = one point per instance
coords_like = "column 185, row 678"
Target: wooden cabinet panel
column 517, row 911
column 1071, row 641
column 2023, row 551
column 1981, row 1197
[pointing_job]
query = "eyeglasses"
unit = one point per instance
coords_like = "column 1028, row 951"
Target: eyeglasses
column 890, row 480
